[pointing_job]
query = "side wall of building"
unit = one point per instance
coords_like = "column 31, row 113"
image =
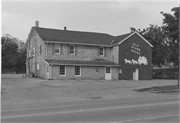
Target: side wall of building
column 35, row 64
column 131, row 50
column 97, row 73
column 86, row 53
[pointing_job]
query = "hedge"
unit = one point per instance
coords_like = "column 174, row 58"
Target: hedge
column 166, row 73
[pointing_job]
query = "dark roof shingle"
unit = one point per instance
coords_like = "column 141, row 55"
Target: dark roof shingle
column 120, row 38
column 74, row 36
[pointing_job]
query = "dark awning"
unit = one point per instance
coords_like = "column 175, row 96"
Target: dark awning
column 82, row 63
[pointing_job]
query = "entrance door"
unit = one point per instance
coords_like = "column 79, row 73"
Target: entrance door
column 108, row 73
column 136, row 74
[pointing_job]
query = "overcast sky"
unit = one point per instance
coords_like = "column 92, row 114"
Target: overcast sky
column 114, row 17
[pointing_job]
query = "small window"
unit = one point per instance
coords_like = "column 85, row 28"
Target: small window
column 62, row 71
column 71, row 50
column 101, row 51
column 77, row 70
column 57, row 48
column 108, row 70
column 34, row 50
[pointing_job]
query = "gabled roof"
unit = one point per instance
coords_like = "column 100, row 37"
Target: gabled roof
column 81, row 63
column 85, row 38
column 119, row 38
column 74, row 36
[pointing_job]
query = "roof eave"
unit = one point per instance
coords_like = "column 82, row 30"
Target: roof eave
column 78, row 43
column 85, row 65
column 139, row 36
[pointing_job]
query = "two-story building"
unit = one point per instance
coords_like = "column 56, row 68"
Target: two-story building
column 65, row 54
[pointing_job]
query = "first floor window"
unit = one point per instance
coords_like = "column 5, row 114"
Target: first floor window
column 62, row 70
column 77, row 70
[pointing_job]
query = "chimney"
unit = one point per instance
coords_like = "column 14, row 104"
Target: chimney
column 65, row 28
column 132, row 29
column 36, row 23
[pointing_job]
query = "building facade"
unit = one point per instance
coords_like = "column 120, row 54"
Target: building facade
column 65, row 54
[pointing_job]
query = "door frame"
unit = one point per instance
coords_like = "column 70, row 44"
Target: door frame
column 136, row 74
column 108, row 76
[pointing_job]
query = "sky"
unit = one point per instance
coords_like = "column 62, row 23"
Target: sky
column 114, row 17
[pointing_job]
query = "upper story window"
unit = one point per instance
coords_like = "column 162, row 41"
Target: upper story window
column 101, row 51
column 34, row 51
column 72, row 50
column 57, row 48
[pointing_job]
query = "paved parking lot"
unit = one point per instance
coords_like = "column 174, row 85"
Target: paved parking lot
column 18, row 91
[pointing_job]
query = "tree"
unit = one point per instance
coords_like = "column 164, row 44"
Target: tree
column 156, row 36
column 9, row 52
column 170, row 23
column 13, row 54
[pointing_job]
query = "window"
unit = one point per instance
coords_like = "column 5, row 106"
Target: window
column 57, row 48
column 77, row 70
column 34, row 50
column 72, row 50
column 40, row 49
column 108, row 70
column 62, row 71
column 101, row 51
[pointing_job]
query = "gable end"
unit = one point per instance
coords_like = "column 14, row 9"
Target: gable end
column 139, row 36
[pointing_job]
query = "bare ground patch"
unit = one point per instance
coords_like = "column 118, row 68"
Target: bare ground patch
column 168, row 89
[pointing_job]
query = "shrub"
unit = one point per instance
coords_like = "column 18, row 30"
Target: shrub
column 165, row 73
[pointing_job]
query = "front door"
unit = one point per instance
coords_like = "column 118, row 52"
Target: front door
column 108, row 73
column 136, row 74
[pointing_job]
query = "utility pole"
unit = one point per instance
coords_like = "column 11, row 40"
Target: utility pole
column 179, row 46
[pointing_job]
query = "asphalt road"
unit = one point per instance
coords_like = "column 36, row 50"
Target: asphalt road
column 154, row 109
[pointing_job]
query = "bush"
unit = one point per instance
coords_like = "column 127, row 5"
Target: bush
column 165, row 73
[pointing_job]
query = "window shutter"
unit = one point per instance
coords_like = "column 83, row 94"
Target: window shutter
column 75, row 49
column 98, row 51
column 105, row 51
column 68, row 49
column 52, row 48
column 61, row 50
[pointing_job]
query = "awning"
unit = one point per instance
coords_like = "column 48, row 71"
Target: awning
column 81, row 63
